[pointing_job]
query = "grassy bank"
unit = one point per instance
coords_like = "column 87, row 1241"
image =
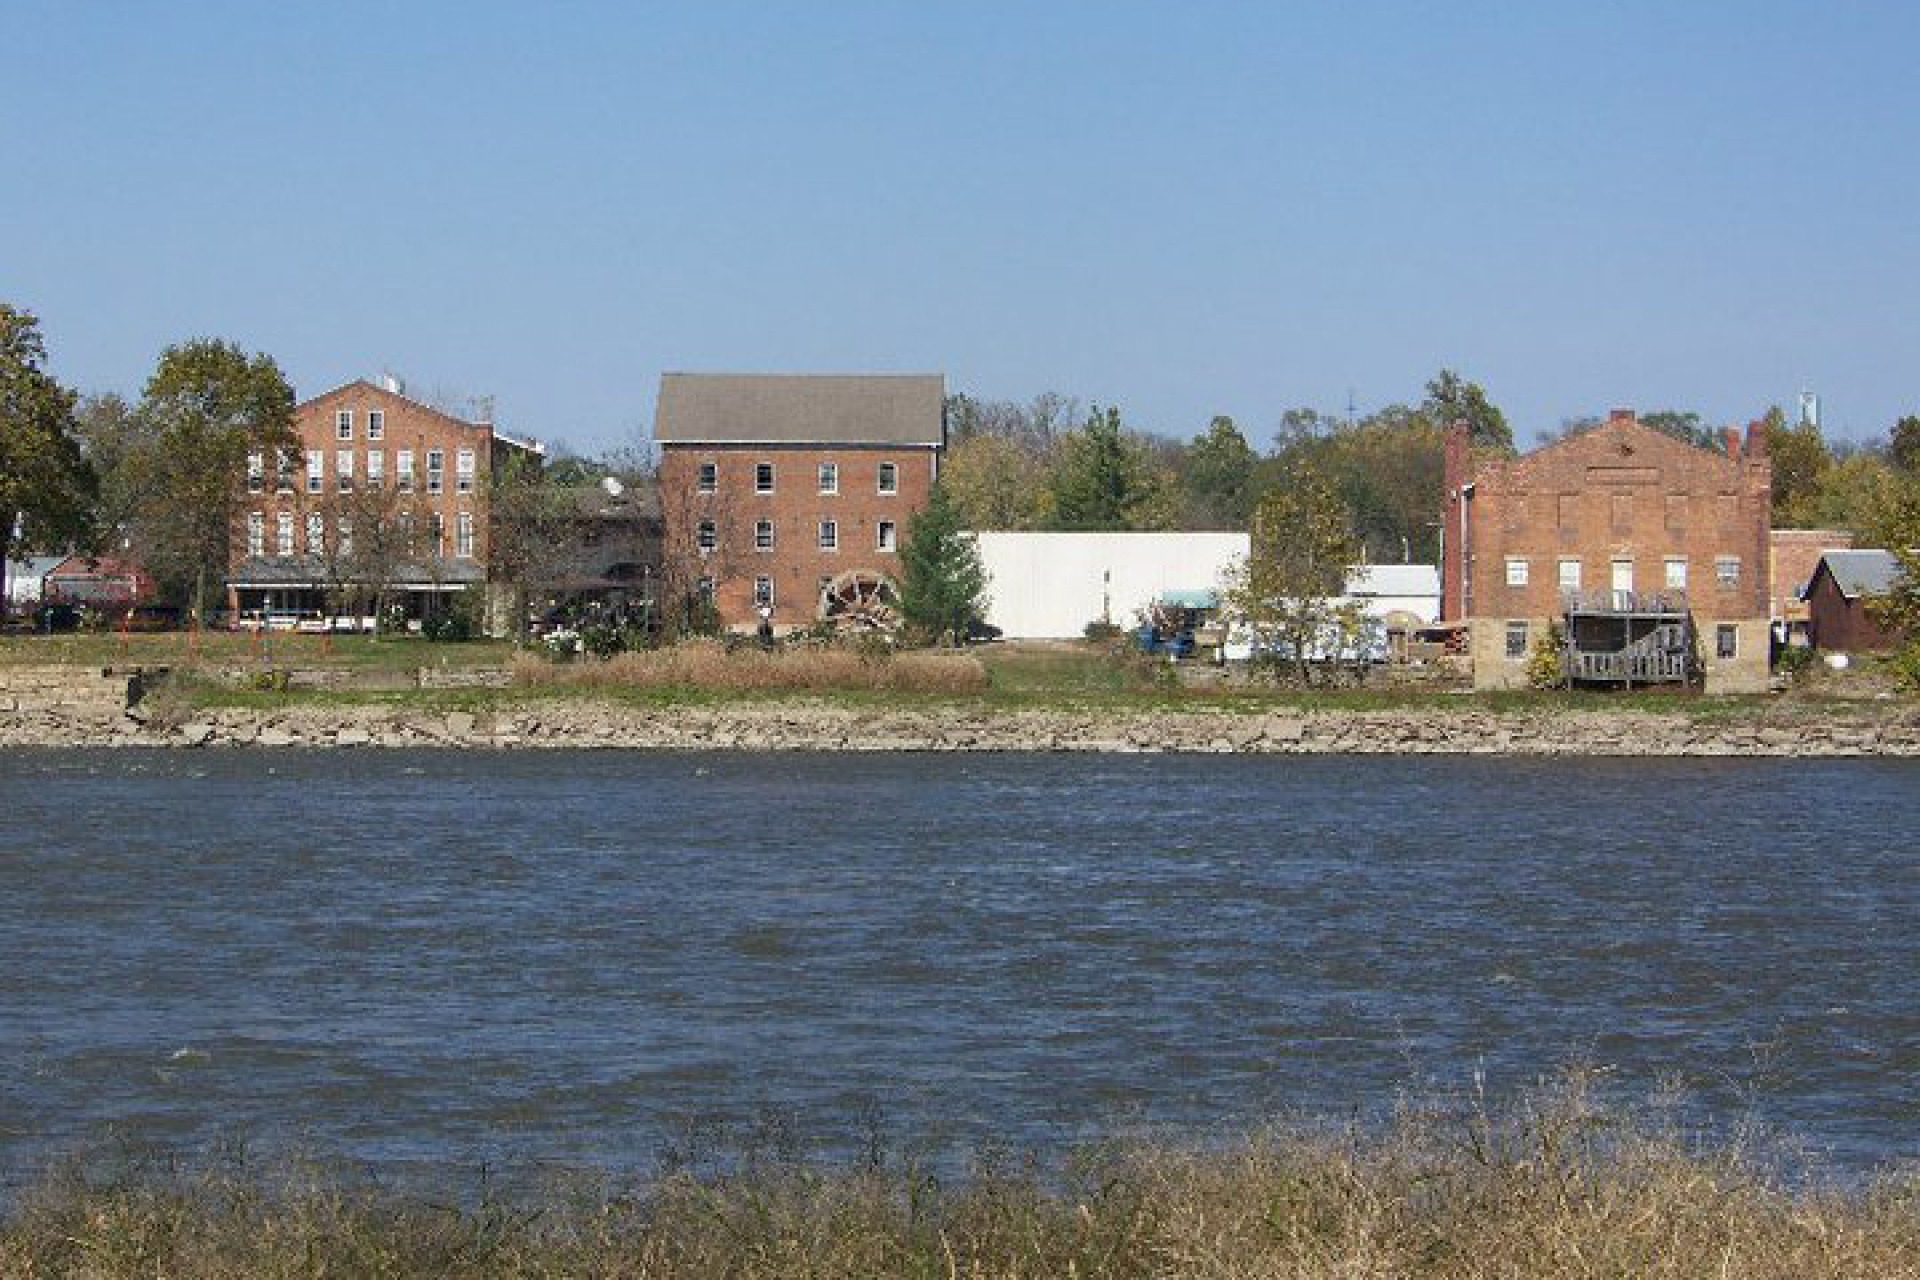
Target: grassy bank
column 1552, row 1187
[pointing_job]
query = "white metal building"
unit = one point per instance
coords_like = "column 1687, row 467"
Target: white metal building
column 1049, row 586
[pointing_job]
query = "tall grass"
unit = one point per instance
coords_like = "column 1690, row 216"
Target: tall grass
column 706, row 664
column 1554, row 1186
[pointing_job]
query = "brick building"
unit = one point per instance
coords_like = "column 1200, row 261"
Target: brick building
column 1652, row 554
column 793, row 492
column 1796, row 554
column 382, row 491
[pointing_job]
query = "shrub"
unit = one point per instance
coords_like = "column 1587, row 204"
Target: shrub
column 1546, row 667
column 1100, row 631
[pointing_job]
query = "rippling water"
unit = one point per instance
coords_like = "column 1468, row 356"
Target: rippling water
column 446, row 958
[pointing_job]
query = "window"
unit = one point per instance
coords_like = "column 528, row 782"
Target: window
column 709, row 536
column 889, row 478
column 829, row 535
column 1569, row 575
column 1726, row 641
column 316, row 533
column 1676, row 573
column 884, row 539
column 763, row 477
column 256, row 533
column 316, row 469
column 1727, row 570
column 437, row 532
column 283, row 534
column 704, row 588
column 343, row 425
column 343, row 471
column 1516, row 640
column 284, row 463
column 709, row 477
column 406, row 531
column 763, row 593
column 1516, row 571
column 436, row 470
column 463, row 471
column 345, row 531
column 376, row 424
column 376, row 469
column 463, row 535
column 256, row 472
column 763, row 535
column 403, row 470
column 829, row 477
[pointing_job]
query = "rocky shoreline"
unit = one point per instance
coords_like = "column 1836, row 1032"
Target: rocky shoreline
column 575, row 723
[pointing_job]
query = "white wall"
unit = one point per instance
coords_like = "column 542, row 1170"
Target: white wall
column 1051, row 585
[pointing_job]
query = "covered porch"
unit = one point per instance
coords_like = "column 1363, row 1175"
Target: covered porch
column 1627, row 638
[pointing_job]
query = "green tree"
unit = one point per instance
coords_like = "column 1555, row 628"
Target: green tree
column 1451, row 399
column 46, row 487
column 1285, row 593
column 114, row 440
column 1217, row 475
column 1800, row 459
column 943, row 584
column 1105, row 480
column 1903, row 444
column 206, row 407
column 1682, row 425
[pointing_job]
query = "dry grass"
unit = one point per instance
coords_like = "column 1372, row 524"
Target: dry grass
column 708, row 665
column 1552, row 1188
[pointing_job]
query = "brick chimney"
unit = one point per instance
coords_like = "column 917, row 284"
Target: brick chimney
column 1756, row 438
column 1733, row 443
column 1621, row 417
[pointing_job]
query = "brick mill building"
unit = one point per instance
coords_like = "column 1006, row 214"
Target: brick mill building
column 1653, row 556
column 792, row 492
column 381, row 492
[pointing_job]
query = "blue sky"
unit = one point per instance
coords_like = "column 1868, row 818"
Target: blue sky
column 1179, row 208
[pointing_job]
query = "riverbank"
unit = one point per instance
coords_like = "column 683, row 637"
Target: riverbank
column 1556, row 1186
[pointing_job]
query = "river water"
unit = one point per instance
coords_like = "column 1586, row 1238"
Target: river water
column 447, row 959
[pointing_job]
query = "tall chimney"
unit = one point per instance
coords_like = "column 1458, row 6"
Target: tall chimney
column 1733, row 443
column 1757, row 438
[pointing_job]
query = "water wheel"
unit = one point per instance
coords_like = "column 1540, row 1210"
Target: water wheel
column 860, row 600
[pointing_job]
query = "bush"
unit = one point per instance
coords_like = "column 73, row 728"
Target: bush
column 1100, row 631
column 1546, row 664
column 453, row 623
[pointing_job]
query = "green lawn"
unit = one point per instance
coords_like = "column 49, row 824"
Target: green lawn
column 237, row 648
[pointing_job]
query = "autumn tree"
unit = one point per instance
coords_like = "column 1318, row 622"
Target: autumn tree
column 1800, row 459
column 1451, row 398
column 943, row 582
column 1286, row 591
column 997, row 482
column 206, row 407
column 47, row 487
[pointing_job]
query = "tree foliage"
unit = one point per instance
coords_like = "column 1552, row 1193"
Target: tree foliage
column 1107, row 480
column 1451, row 399
column 1286, row 592
column 1800, row 460
column 1903, row 444
column 943, row 584
column 1217, row 478
column 46, row 485
column 999, row 482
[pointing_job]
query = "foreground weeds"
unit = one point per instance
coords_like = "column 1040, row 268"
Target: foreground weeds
column 708, row 665
column 1552, row 1187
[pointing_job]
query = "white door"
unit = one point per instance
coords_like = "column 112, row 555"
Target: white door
column 1623, row 577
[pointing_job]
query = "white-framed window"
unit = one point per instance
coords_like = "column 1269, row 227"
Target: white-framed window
column 403, row 470
column 1726, row 641
column 316, row 533
column 376, row 469
column 1569, row 575
column 343, row 424
column 889, row 477
column 463, row 535
column 283, row 534
column 763, row 593
column 437, row 533
column 829, row 535
column 256, row 533
column 829, row 477
column 709, row 477
column 1516, row 571
column 1516, row 640
column 345, row 531
column 285, row 460
column 256, row 471
column 1676, row 573
column 884, row 536
column 343, row 471
column 376, row 424
column 316, row 470
column 763, row 477
column 1726, row 569
column 436, row 470
column 463, row 471
column 708, row 535
column 763, row 535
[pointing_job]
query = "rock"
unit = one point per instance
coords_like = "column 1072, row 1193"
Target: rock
column 273, row 736
column 197, row 734
column 353, row 737
column 459, row 723
column 1286, row 728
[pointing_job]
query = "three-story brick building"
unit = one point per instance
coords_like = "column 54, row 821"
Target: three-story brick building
column 1651, row 554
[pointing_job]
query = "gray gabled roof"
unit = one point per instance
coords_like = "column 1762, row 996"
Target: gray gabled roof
column 1860, row 572
column 761, row 408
